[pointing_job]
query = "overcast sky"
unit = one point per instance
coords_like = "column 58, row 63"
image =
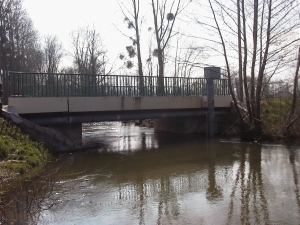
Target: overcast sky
column 61, row 17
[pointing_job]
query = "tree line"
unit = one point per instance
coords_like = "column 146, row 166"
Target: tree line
column 262, row 39
column 23, row 49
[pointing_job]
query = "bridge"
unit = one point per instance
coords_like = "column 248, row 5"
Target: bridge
column 64, row 101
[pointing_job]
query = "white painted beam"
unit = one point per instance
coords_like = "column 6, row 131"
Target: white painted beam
column 98, row 104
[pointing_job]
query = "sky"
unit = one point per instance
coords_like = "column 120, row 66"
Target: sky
column 61, row 17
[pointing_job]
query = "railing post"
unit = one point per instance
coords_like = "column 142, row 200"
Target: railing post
column 211, row 73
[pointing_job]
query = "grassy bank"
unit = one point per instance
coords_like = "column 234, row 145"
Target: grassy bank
column 275, row 113
column 18, row 152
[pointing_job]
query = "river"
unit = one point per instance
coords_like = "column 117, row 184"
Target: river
column 138, row 176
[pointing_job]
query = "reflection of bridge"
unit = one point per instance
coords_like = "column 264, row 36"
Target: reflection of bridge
column 68, row 99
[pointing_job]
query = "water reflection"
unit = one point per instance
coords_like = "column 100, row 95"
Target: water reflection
column 25, row 205
column 118, row 137
column 148, row 178
column 213, row 192
column 293, row 161
column 248, row 187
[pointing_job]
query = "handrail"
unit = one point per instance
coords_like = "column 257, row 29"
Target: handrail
column 83, row 85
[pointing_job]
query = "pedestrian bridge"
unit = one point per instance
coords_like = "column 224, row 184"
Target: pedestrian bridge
column 65, row 101
column 49, row 99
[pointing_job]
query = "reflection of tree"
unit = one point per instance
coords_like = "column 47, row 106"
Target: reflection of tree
column 27, row 202
column 131, row 139
column 162, row 189
column 295, row 176
column 143, row 140
column 248, row 183
column 125, row 141
column 168, row 203
column 142, row 195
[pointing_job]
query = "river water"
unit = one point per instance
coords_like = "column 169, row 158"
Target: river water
column 138, row 176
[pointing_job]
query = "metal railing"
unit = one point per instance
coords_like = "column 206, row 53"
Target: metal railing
column 60, row 85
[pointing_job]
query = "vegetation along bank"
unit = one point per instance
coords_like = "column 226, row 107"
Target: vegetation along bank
column 18, row 152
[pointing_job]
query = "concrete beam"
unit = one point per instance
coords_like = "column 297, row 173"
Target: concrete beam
column 39, row 105
column 100, row 104
column 106, row 104
column 219, row 101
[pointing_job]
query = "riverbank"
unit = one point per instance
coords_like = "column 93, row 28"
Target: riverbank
column 18, row 152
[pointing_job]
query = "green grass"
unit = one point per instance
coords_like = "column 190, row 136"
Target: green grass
column 275, row 113
column 18, row 152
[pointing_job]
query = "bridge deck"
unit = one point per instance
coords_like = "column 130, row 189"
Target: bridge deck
column 102, row 104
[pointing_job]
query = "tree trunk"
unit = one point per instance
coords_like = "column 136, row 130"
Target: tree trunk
column 160, row 68
column 241, row 92
column 138, row 44
column 294, row 101
column 258, row 123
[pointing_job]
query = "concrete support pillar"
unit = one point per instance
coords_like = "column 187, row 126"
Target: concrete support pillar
column 210, row 108
column 211, row 73
column 70, row 131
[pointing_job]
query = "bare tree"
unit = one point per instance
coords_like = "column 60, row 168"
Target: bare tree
column 187, row 58
column 88, row 51
column 52, row 54
column 294, row 100
column 149, row 61
column 5, row 9
column 20, row 48
column 164, row 16
column 26, row 53
column 264, row 35
column 132, row 18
